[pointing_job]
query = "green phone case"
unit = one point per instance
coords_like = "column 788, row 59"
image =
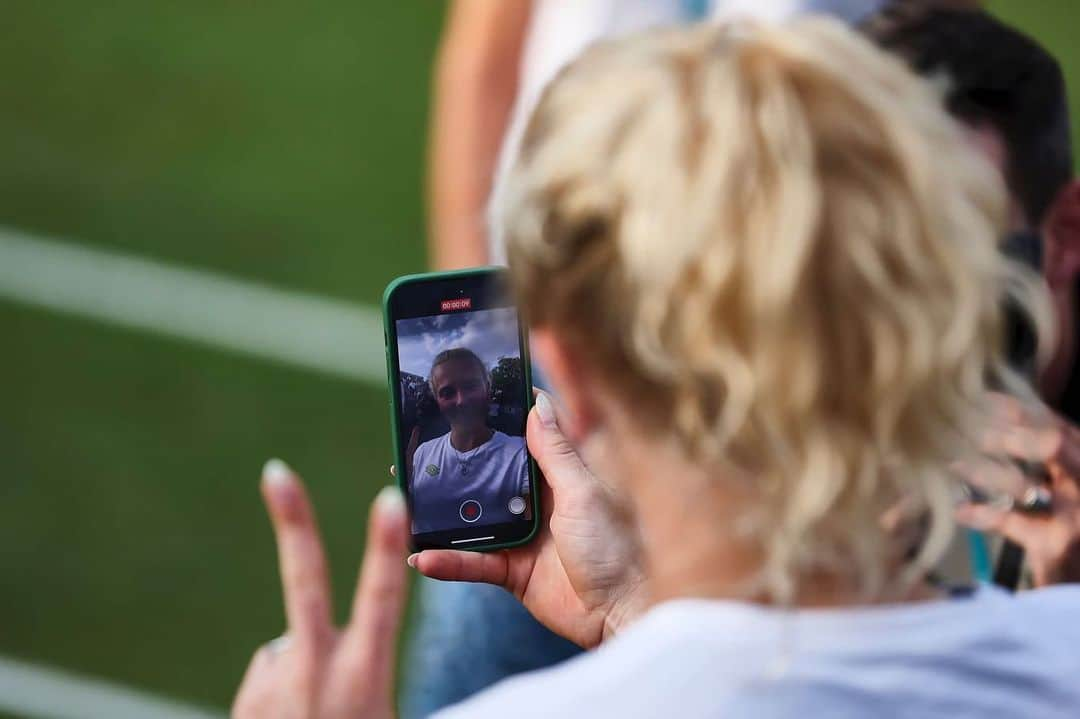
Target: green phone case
column 390, row 337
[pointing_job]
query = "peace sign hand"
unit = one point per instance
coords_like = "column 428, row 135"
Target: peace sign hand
column 317, row 671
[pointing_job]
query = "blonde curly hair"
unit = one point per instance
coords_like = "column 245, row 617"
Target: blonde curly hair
column 777, row 241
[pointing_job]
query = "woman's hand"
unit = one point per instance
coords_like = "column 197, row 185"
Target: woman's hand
column 1051, row 539
column 581, row 577
column 316, row 670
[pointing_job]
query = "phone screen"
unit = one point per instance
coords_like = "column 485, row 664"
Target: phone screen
column 461, row 394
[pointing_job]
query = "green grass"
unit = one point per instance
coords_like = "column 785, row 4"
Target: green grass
column 277, row 141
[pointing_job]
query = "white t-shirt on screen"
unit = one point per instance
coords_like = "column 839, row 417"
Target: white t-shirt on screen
column 493, row 478
column 989, row 654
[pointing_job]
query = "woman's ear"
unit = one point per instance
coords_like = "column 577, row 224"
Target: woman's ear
column 569, row 381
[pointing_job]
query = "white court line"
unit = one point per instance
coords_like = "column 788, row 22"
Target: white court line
column 31, row 690
column 293, row 328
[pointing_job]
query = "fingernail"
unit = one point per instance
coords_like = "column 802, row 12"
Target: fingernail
column 276, row 472
column 545, row 410
column 390, row 501
column 411, row 560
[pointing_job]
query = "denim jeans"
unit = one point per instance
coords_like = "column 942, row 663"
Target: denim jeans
column 467, row 637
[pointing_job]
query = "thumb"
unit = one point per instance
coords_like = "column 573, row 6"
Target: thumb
column 456, row 566
column 557, row 458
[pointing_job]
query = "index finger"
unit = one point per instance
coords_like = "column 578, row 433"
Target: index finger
column 304, row 578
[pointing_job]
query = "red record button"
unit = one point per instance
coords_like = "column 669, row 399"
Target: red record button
column 470, row 510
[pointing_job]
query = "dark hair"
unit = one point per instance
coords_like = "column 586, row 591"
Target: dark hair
column 457, row 353
column 998, row 77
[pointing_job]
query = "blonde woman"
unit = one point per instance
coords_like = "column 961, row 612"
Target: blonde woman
column 761, row 266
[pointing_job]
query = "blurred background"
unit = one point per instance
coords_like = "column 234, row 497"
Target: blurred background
column 179, row 152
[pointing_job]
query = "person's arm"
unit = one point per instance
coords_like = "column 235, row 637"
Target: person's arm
column 476, row 80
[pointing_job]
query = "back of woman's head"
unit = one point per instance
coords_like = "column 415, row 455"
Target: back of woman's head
column 777, row 243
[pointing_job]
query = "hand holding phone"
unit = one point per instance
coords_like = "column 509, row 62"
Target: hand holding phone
column 582, row 577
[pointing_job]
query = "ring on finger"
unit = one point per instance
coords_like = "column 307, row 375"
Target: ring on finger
column 1036, row 500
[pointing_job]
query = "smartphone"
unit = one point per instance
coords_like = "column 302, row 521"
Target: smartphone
column 460, row 391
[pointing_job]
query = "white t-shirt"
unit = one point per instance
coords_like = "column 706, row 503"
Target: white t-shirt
column 559, row 30
column 488, row 484
column 988, row 654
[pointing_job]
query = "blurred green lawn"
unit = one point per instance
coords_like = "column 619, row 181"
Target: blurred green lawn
column 276, row 141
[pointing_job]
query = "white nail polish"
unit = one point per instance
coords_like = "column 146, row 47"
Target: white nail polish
column 390, row 500
column 545, row 410
column 276, row 472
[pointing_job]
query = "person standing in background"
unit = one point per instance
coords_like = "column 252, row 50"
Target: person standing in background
column 1013, row 105
column 1009, row 94
column 494, row 60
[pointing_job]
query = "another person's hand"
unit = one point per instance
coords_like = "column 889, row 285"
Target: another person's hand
column 1036, row 436
column 317, row 671
column 581, row 576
